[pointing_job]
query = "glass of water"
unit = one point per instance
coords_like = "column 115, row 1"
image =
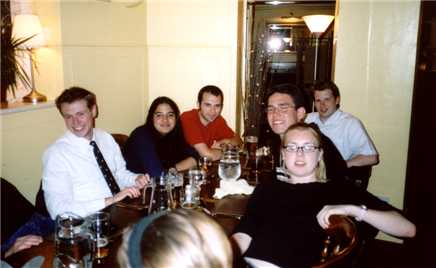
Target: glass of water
column 229, row 167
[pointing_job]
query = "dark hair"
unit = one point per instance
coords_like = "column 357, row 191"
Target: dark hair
column 292, row 90
column 321, row 86
column 214, row 90
column 149, row 121
column 324, row 86
column 73, row 94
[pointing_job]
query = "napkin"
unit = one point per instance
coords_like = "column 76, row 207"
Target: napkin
column 228, row 187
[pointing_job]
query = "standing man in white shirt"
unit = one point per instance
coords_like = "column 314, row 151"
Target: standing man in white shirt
column 345, row 130
column 73, row 179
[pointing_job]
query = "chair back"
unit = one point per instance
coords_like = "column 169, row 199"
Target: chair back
column 340, row 243
column 120, row 139
column 40, row 205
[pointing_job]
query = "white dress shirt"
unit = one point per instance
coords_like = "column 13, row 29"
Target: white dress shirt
column 72, row 180
column 346, row 132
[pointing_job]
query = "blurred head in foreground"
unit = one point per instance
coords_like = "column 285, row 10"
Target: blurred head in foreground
column 181, row 238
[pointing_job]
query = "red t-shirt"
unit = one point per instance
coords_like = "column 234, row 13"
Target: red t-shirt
column 195, row 132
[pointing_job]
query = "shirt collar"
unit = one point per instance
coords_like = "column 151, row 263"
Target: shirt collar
column 332, row 118
column 79, row 141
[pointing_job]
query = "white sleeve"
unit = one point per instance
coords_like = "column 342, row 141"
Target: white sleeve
column 360, row 140
column 58, row 188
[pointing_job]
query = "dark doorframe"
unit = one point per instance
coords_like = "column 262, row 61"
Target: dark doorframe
column 420, row 192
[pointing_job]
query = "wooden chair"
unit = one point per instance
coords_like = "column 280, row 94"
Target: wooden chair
column 120, row 139
column 340, row 243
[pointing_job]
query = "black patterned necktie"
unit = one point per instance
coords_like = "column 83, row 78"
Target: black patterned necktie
column 107, row 174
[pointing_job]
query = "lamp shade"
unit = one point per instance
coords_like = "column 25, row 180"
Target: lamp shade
column 318, row 23
column 27, row 25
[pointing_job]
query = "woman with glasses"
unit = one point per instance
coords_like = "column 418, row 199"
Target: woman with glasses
column 159, row 144
column 285, row 217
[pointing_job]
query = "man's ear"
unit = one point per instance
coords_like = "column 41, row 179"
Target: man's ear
column 301, row 114
column 338, row 101
column 94, row 111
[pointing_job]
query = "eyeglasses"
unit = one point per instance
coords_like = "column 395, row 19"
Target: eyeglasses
column 281, row 108
column 306, row 148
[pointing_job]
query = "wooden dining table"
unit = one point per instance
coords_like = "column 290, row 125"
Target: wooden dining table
column 226, row 211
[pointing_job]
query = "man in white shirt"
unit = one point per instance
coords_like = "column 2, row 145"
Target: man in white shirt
column 345, row 130
column 72, row 179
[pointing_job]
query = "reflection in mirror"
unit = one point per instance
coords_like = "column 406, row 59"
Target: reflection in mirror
column 281, row 49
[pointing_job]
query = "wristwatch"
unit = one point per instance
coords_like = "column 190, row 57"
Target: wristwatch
column 363, row 211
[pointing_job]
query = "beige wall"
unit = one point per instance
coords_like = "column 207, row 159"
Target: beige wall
column 25, row 135
column 192, row 43
column 127, row 56
column 375, row 63
column 93, row 44
column 104, row 51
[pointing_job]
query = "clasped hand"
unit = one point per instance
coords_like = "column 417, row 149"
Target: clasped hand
column 133, row 191
column 327, row 211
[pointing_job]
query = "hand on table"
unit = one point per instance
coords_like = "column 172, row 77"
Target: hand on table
column 24, row 242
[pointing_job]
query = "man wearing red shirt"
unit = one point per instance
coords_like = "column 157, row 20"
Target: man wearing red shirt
column 204, row 128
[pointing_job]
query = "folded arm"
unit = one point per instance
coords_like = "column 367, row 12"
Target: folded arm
column 186, row 164
column 363, row 160
column 390, row 222
column 204, row 150
column 235, row 141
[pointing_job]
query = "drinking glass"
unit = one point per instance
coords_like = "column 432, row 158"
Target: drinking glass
column 99, row 224
column 191, row 196
column 197, row 176
column 204, row 163
column 229, row 167
column 251, row 146
column 71, row 242
column 175, row 180
column 161, row 197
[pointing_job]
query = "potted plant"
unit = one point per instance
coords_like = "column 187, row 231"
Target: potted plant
column 12, row 70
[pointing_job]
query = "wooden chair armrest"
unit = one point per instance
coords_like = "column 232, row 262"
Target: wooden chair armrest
column 340, row 241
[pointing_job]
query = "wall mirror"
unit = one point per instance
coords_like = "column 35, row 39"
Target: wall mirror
column 279, row 48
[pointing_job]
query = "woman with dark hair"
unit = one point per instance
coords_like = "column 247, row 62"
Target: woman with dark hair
column 159, row 144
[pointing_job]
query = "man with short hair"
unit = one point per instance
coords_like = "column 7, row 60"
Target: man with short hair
column 204, row 128
column 84, row 171
column 285, row 107
column 345, row 130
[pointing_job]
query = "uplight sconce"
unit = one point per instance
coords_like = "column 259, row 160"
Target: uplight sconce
column 317, row 24
column 25, row 26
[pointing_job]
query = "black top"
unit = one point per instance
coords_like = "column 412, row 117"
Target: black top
column 16, row 210
column 281, row 219
column 146, row 151
column 335, row 165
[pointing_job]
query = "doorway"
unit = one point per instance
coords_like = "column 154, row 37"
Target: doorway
column 281, row 49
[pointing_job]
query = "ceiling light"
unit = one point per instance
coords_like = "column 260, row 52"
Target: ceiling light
column 279, row 2
column 318, row 23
